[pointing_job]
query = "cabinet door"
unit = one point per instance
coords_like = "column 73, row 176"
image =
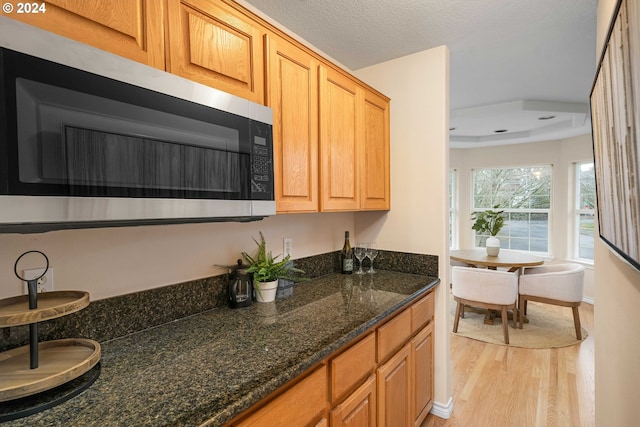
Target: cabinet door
column 213, row 44
column 130, row 28
column 341, row 103
column 359, row 409
column 422, row 361
column 292, row 93
column 395, row 391
column 374, row 171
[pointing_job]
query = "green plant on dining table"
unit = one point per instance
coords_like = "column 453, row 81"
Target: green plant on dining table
column 489, row 221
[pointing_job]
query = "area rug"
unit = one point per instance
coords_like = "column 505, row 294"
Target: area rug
column 547, row 328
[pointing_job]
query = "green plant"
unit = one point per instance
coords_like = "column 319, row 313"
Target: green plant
column 265, row 268
column 489, row 221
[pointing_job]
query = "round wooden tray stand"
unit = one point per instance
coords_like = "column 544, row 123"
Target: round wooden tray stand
column 35, row 368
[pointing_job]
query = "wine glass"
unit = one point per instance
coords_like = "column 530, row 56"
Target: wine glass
column 359, row 252
column 371, row 252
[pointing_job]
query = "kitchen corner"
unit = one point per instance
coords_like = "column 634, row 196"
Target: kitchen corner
column 209, row 367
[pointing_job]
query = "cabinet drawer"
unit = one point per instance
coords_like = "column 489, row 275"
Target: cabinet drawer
column 298, row 406
column 422, row 312
column 393, row 334
column 351, row 367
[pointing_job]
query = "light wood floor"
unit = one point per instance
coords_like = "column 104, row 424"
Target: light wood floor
column 499, row 386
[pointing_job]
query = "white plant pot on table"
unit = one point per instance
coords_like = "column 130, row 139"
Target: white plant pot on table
column 266, row 291
column 493, row 246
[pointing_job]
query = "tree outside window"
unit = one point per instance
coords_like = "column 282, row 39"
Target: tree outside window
column 585, row 210
column 524, row 193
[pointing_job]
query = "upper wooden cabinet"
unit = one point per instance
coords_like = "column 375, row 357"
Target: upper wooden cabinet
column 353, row 127
column 341, row 122
column 331, row 132
column 212, row 43
column 354, row 145
column 374, row 170
column 130, row 28
column 292, row 93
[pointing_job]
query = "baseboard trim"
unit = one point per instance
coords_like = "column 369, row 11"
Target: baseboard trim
column 443, row 411
column 588, row 300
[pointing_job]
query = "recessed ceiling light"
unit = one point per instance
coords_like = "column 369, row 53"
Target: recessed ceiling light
column 500, row 130
column 546, row 117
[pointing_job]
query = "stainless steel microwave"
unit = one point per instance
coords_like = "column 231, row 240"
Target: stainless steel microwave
column 90, row 139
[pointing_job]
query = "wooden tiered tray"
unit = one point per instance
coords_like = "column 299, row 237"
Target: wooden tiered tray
column 15, row 311
column 59, row 361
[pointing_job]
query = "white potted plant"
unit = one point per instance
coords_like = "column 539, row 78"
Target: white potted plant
column 489, row 222
column 266, row 271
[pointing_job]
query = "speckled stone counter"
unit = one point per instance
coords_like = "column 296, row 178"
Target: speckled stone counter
column 212, row 366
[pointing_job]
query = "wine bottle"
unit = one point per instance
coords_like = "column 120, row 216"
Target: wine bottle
column 346, row 256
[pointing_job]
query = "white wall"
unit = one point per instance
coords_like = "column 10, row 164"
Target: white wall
column 114, row 261
column 561, row 154
column 617, row 316
column 418, row 86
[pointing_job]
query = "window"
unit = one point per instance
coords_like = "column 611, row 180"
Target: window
column 585, row 211
column 524, row 193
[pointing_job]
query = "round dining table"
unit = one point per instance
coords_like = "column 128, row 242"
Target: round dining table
column 511, row 260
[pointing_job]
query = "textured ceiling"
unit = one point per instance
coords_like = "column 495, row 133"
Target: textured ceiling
column 503, row 53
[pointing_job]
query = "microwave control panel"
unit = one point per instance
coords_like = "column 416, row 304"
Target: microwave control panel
column 261, row 167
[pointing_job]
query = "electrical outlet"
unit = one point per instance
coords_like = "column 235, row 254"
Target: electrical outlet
column 287, row 246
column 45, row 283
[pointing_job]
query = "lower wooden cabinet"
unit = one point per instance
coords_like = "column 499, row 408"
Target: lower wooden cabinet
column 304, row 404
column 351, row 367
column 359, row 409
column 394, row 390
column 421, row 356
column 385, row 379
column 393, row 335
column 405, row 383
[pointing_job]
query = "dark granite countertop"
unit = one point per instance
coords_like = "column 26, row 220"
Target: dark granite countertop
column 209, row 367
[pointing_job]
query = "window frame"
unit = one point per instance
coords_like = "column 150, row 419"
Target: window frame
column 508, row 210
column 578, row 211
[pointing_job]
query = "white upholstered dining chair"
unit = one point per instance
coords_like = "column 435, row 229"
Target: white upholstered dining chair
column 490, row 289
column 557, row 284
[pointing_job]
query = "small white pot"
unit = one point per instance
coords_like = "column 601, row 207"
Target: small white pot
column 493, row 246
column 266, row 291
